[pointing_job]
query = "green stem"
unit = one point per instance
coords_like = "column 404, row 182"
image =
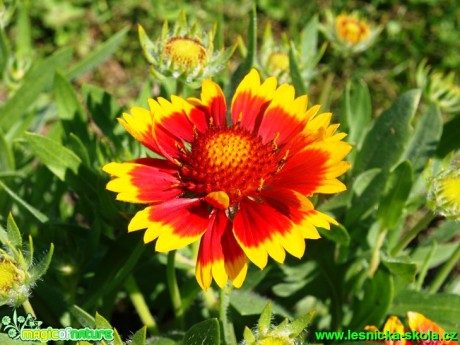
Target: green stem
column 141, row 306
column 424, row 267
column 324, row 97
column 445, row 270
column 412, row 233
column 226, row 326
column 174, row 289
column 375, row 260
column 28, row 308
column 179, row 88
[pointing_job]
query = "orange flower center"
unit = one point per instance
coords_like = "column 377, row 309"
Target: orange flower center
column 185, row 52
column 231, row 161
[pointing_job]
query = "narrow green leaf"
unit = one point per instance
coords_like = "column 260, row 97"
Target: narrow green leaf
column 294, row 70
column 39, row 269
column 443, row 309
column 101, row 322
column 425, row 139
column 4, row 52
column 265, row 319
column 358, row 111
column 56, row 157
column 206, row 332
column 23, row 36
column 36, row 213
column 385, row 142
column 369, row 187
column 37, row 79
column 400, row 268
column 70, row 111
column 103, row 108
column 298, row 325
column 248, row 62
column 83, row 318
column 99, row 55
column 249, row 338
column 309, row 39
column 7, row 161
column 14, row 235
column 139, row 337
column 77, row 146
column 398, row 187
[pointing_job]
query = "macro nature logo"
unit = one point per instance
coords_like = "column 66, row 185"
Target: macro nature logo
column 13, row 326
column 27, row 328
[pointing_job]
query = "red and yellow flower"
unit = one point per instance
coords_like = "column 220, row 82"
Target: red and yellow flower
column 421, row 324
column 239, row 188
column 421, row 331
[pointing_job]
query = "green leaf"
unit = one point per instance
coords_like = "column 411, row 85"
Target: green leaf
column 104, row 109
column 7, row 161
column 442, row 253
column 40, row 268
column 450, row 140
column 36, row 213
column 358, row 111
column 101, row 322
column 425, row 139
column 83, row 318
column 338, row 234
column 265, row 319
column 294, row 70
column 309, row 39
column 403, row 269
column 398, row 187
column 443, row 309
column 4, row 52
column 372, row 308
column 14, row 235
column 298, row 325
column 139, row 337
column 56, row 157
column 206, row 332
column 239, row 300
column 389, row 135
column 367, row 188
column 38, row 78
column 115, row 266
column 69, row 109
column 99, row 55
column 248, row 336
column 23, row 35
column 249, row 60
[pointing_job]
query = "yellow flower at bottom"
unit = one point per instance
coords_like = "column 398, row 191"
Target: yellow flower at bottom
column 9, row 275
column 239, row 189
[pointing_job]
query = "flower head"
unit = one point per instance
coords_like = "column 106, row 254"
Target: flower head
column 439, row 88
column 349, row 33
column 444, row 192
column 16, row 276
column 419, row 323
column 184, row 52
column 393, row 326
column 241, row 187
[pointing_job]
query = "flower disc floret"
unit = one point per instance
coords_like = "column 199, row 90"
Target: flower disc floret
column 231, row 160
column 185, row 52
column 239, row 188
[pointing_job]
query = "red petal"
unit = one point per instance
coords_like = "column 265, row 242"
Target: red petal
column 220, row 256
